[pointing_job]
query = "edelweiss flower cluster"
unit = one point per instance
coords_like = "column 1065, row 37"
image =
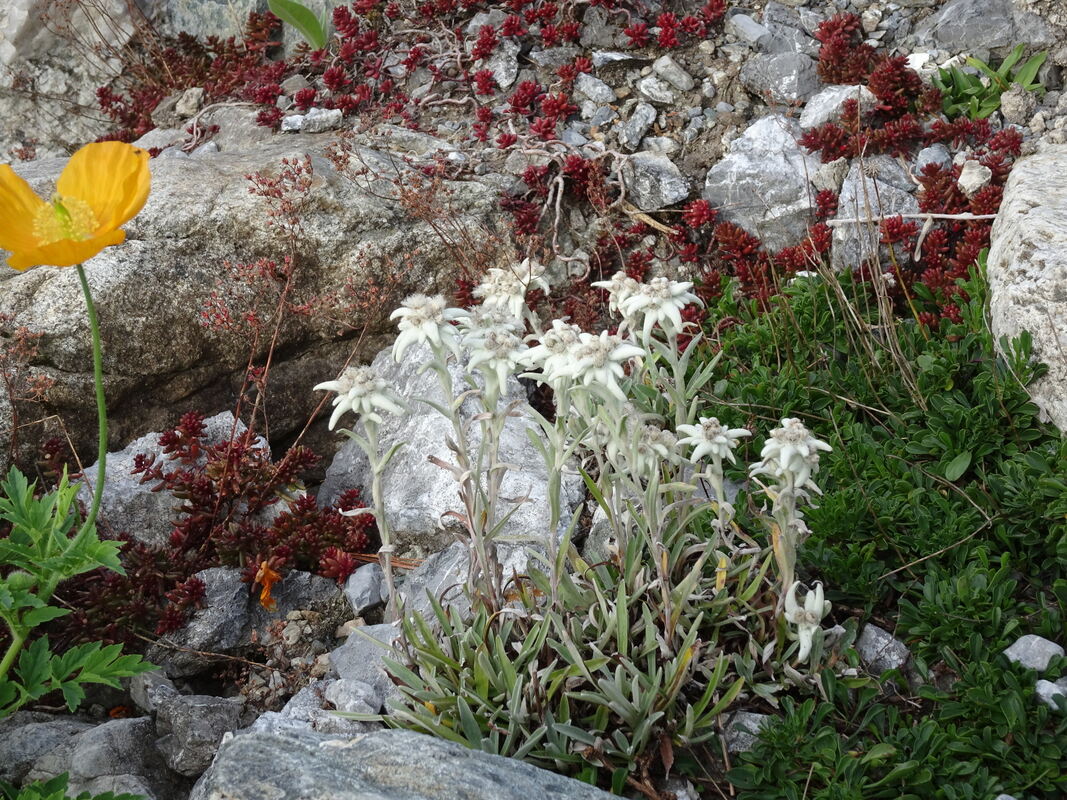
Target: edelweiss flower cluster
column 710, row 439
column 425, row 319
column 506, row 288
column 791, row 455
column 360, row 390
column 807, row 618
column 658, row 302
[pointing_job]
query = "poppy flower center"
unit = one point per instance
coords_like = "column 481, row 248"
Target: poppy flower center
column 64, row 218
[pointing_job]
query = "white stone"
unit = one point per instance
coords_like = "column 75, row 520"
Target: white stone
column 826, row 105
column 879, row 650
column 594, row 88
column 655, row 90
column 974, row 176
column 672, row 72
column 1048, row 691
column 1033, row 652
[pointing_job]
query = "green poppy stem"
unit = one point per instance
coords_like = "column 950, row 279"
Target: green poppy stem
column 101, row 406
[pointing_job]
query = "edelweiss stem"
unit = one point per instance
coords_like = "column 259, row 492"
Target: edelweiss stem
column 101, row 405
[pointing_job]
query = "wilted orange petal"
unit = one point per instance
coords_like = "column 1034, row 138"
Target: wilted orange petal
column 112, row 177
column 268, row 577
column 65, row 252
column 19, row 206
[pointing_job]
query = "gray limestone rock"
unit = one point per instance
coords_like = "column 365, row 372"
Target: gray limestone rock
column 763, row 183
column 133, row 507
column 655, row 90
column 781, row 77
column 383, row 765
column 973, row 177
column 359, row 660
column 599, row 28
column 1052, row 694
column 418, row 494
column 934, row 154
column 1027, row 271
column 1033, row 652
column 594, row 88
column 504, row 63
column 190, row 102
column 309, row 711
column 321, row 120
column 1017, row 105
column 983, row 27
column 191, row 728
column 444, row 576
column 118, row 753
column 654, row 181
column 232, row 613
column 365, row 588
column 826, row 105
column 634, row 129
column 148, row 688
column 160, row 360
column 673, row 72
column 786, row 31
column 743, row 729
column 867, row 198
column 745, row 28
column 879, row 650
column 26, row 736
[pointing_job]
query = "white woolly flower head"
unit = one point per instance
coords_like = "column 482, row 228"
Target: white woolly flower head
column 710, row 439
column 361, row 391
column 659, row 302
column 425, row 319
column 598, row 361
column 554, row 352
column 807, row 618
column 620, row 287
column 506, row 288
column 654, row 446
column 791, row 452
column 495, row 353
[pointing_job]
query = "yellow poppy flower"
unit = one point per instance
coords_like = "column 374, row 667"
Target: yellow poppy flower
column 102, row 187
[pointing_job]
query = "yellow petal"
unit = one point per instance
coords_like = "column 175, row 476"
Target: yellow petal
column 112, row 177
column 18, row 208
column 65, row 252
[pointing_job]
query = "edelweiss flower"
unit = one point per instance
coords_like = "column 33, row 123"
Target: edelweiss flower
column 103, row 186
column 709, row 438
column 360, row 390
column 660, row 301
column 495, row 354
column 506, row 288
column 791, row 452
column 554, row 353
column 598, row 362
column 654, row 446
column 424, row 319
column 619, row 288
column 806, row 619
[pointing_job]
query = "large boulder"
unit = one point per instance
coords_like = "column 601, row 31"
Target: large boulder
column 984, row 27
column 1027, row 270
column 383, row 765
column 47, row 85
column 160, row 360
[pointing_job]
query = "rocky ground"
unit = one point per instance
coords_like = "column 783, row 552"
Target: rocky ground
column 717, row 118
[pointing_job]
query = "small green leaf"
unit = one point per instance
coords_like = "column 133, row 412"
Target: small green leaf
column 301, row 18
column 957, row 466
